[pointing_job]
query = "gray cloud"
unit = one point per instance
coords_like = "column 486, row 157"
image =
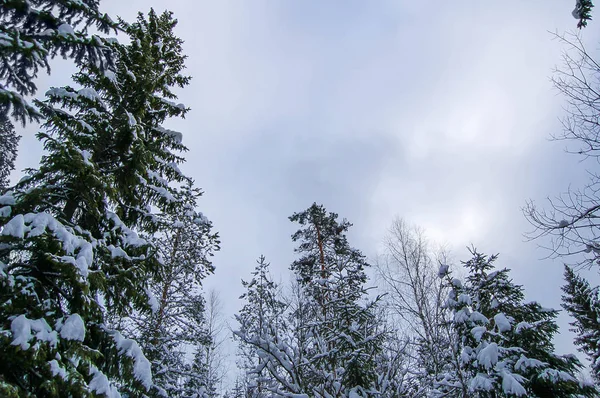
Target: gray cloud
column 436, row 112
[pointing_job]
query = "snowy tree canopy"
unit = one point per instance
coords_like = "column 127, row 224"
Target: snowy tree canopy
column 74, row 234
column 33, row 32
column 505, row 345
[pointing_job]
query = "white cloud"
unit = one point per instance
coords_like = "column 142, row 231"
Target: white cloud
column 439, row 113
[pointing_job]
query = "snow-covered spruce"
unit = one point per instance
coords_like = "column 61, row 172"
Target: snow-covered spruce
column 583, row 304
column 72, row 233
column 504, row 345
column 263, row 337
column 33, row 32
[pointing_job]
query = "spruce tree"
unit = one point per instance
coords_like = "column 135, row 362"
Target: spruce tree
column 57, row 271
column 343, row 340
column 122, row 111
column 34, row 31
column 583, row 304
column 583, row 12
column 9, row 142
column 505, row 345
column 71, row 256
column 260, row 322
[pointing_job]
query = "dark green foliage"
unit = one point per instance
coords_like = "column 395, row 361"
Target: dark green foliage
column 9, row 141
column 325, row 253
column 583, row 12
column 34, row 31
column 69, row 247
column 583, row 304
column 124, row 125
column 506, row 344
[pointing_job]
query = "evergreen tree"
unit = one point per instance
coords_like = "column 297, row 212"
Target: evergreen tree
column 583, row 303
column 56, row 273
column 343, row 341
column 183, row 244
column 34, row 31
column 120, row 113
column 260, row 321
column 9, row 142
column 583, row 12
column 70, row 255
column 505, row 345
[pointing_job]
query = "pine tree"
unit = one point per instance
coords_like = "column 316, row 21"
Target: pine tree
column 71, row 257
column 32, row 32
column 505, row 345
column 260, row 322
column 343, row 341
column 583, row 303
column 9, row 142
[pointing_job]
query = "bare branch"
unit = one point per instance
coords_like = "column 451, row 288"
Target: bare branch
column 571, row 221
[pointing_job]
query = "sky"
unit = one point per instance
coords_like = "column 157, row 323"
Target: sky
column 438, row 112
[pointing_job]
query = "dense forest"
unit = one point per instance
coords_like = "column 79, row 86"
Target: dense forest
column 104, row 251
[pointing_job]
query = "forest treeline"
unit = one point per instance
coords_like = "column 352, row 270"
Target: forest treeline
column 104, row 250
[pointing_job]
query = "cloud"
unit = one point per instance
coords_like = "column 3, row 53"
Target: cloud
column 437, row 112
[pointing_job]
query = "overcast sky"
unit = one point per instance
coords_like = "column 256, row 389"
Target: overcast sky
column 435, row 111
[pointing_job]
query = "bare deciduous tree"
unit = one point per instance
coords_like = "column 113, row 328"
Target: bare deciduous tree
column 216, row 329
column 408, row 273
column 572, row 220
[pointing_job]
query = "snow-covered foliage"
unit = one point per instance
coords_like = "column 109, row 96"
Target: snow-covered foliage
column 342, row 336
column 163, row 202
column 143, row 156
column 326, row 342
column 33, row 32
column 505, row 345
column 76, row 236
column 262, row 334
column 55, row 269
column 583, row 303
